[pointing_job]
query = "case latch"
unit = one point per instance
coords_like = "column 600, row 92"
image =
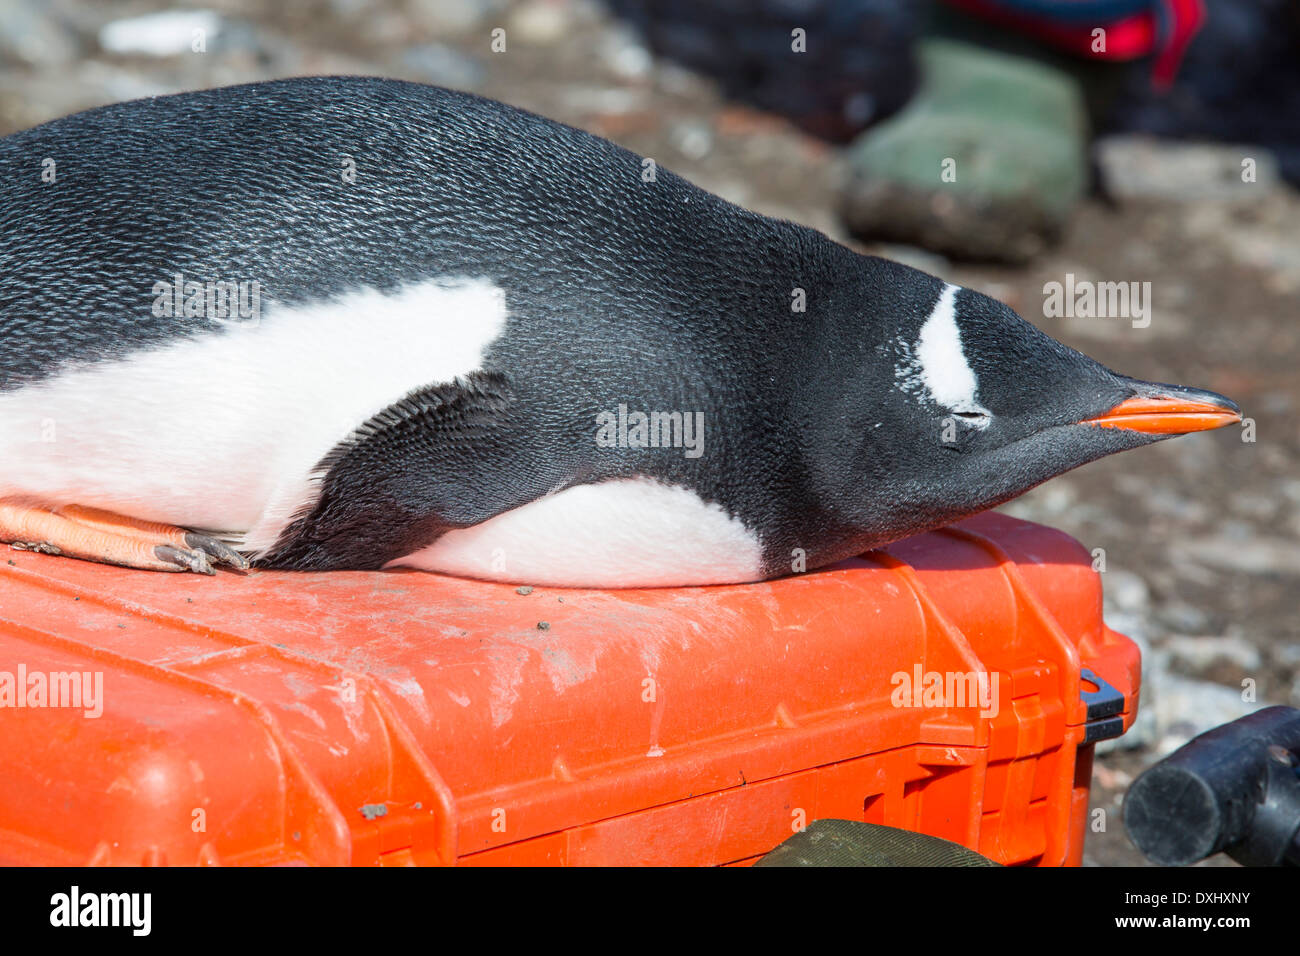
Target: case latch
column 1105, row 708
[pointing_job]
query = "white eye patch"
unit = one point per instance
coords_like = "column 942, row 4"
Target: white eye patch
column 938, row 364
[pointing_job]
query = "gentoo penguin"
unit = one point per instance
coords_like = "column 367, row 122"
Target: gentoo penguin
column 354, row 323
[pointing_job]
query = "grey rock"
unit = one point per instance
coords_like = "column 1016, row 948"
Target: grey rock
column 1290, row 487
column 1257, row 554
column 1256, row 240
column 1180, row 507
column 1142, row 167
column 31, row 37
column 623, row 52
column 163, row 34
column 350, row 9
column 1059, row 497
column 540, row 22
column 1201, row 653
column 1288, row 655
column 453, row 16
column 1182, row 617
column 604, row 100
column 1180, row 708
column 692, row 138
column 1252, row 505
column 1125, row 591
column 1134, row 626
column 676, row 80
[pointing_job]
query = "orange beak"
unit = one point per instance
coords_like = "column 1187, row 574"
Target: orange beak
column 1168, row 415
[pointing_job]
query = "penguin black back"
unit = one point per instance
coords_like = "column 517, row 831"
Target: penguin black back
column 250, row 181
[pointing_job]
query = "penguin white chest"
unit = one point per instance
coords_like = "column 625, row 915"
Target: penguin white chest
column 224, row 431
column 632, row 532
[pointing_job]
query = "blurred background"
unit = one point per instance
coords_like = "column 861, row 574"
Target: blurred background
column 1000, row 144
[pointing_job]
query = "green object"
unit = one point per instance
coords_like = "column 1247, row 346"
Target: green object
column 985, row 162
column 850, row 843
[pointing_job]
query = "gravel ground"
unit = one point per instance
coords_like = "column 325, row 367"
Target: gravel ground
column 1200, row 533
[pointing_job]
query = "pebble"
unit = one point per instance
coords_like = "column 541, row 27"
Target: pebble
column 1125, row 591
column 1288, row 655
column 1290, row 488
column 678, row 81
column 606, row 100
column 1137, row 627
column 539, row 22
column 1251, row 554
column 1181, row 616
column 1111, row 779
column 168, row 33
column 1252, row 505
column 349, row 9
column 624, row 54
column 692, row 138
column 452, row 16
column 31, row 37
column 1201, row 653
column 1058, row 497
column 1180, row 507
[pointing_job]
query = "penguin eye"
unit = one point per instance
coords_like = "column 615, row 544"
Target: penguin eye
column 973, row 418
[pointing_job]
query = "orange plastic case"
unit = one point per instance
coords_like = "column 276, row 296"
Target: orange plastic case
column 404, row 717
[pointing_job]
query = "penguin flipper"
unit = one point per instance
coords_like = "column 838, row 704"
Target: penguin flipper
column 443, row 458
column 97, row 535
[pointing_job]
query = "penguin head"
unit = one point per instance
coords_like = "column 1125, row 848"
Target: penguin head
column 959, row 405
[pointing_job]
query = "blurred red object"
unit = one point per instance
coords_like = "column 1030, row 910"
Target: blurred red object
column 1133, row 29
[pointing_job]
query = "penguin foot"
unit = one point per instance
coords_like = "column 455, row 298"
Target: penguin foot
column 98, row 535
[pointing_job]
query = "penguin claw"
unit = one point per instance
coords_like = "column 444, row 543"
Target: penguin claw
column 218, row 551
column 77, row 531
column 196, row 561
